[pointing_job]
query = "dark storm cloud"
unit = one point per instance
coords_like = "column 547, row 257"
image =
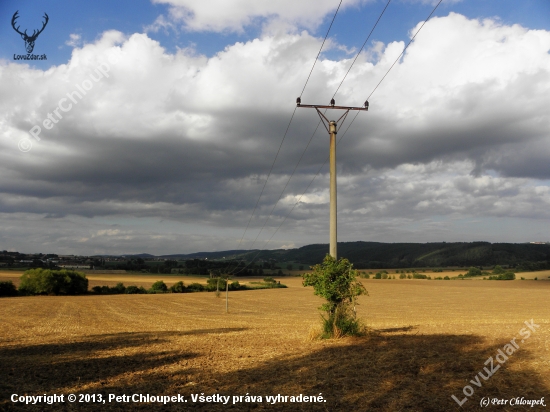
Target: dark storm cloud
column 191, row 140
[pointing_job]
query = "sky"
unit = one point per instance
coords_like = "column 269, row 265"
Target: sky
column 151, row 126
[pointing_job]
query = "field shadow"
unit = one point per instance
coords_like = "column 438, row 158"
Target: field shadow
column 394, row 330
column 212, row 331
column 46, row 368
column 380, row 372
column 392, row 373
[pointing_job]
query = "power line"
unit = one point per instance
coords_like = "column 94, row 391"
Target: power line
column 361, row 49
column 318, row 124
column 342, row 136
column 280, row 196
column 408, row 44
column 391, row 67
column 318, row 54
column 286, row 131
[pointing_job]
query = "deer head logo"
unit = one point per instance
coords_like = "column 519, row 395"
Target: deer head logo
column 29, row 40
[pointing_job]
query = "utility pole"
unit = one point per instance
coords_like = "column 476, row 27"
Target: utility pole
column 227, row 295
column 332, row 130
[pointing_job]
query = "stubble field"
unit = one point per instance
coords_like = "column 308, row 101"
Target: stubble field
column 427, row 340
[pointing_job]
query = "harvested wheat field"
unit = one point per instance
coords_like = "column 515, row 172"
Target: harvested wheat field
column 427, row 341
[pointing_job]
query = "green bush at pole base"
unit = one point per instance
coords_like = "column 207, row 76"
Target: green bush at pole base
column 335, row 281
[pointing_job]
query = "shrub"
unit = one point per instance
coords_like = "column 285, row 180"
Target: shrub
column 177, row 287
column 503, row 276
column 335, row 281
column 473, row 271
column 508, row 276
column 237, row 286
column 7, row 288
column 134, row 290
column 213, row 284
column 341, row 323
column 419, row 276
column 195, row 287
column 383, row 274
column 158, row 287
column 96, row 289
column 446, row 278
column 498, row 270
column 402, row 276
column 118, row 289
column 269, row 280
column 53, row 282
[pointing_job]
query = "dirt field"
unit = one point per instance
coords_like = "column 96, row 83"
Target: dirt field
column 429, row 339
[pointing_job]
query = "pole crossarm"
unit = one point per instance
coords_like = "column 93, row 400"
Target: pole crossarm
column 316, row 106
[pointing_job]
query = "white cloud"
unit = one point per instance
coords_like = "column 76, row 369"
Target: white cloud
column 75, row 40
column 223, row 15
column 160, row 23
column 458, row 130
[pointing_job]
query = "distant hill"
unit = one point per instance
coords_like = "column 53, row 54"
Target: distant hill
column 365, row 255
column 397, row 255
column 228, row 254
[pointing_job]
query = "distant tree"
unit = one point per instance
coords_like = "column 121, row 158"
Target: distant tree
column 473, row 271
column 498, row 270
column 134, row 290
column 7, row 288
column 53, row 282
column 177, row 287
column 119, row 288
column 195, row 287
column 289, row 267
column 215, row 284
column 503, row 276
column 158, row 287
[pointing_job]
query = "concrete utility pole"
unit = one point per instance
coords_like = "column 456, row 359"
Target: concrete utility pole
column 332, row 130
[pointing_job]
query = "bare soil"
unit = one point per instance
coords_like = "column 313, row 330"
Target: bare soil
column 427, row 340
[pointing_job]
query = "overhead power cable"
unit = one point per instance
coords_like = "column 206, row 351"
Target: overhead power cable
column 287, row 128
column 318, row 124
column 321, row 48
column 361, row 49
column 349, row 125
column 391, row 67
